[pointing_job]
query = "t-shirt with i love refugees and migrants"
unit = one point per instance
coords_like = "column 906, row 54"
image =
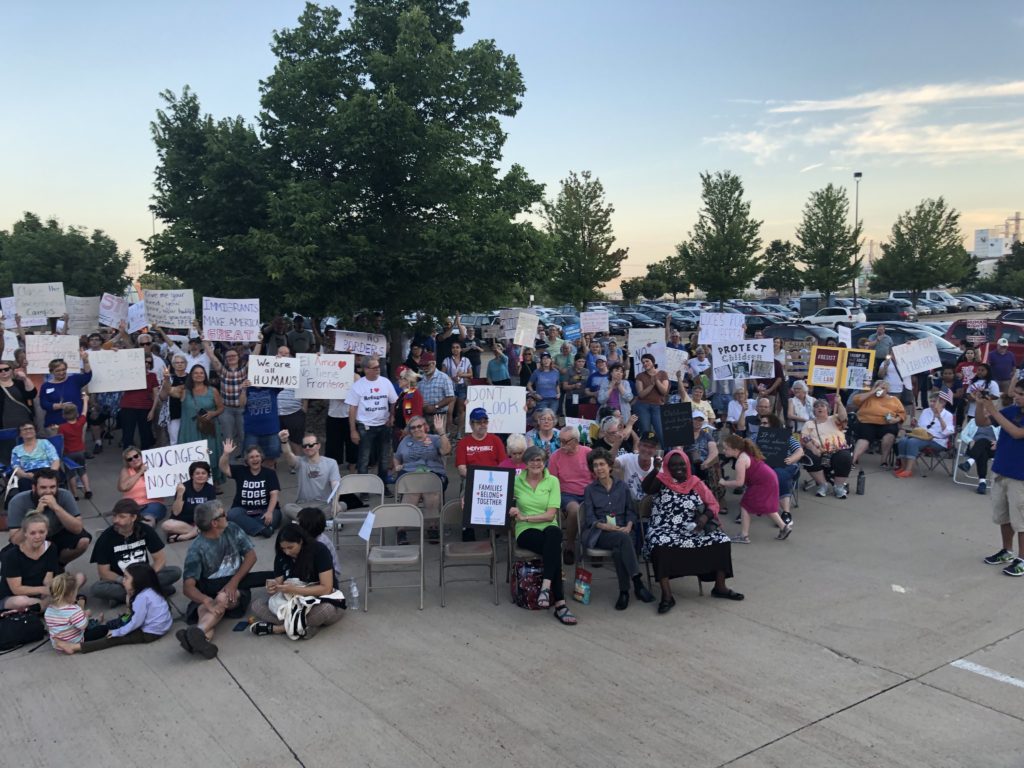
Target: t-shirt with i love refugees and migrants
column 252, row 492
column 372, row 400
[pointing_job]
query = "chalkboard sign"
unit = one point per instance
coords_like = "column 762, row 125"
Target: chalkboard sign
column 677, row 425
column 774, row 444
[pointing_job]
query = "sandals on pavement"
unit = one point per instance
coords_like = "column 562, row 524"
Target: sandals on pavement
column 544, row 598
column 564, row 615
column 727, row 595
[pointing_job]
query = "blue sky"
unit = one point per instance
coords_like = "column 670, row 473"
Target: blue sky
column 924, row 98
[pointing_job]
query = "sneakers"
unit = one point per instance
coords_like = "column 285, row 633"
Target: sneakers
column 842, row 491
column 1000, row 557
column 966, row 465
column 822, row 491
column 784, row 532
column 740, row 539
column 1016, row 568
column 261, row 628
column 982, row 488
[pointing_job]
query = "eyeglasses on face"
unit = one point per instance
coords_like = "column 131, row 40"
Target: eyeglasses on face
column 310, row 445
column 218, row 517
column 417, row 426
column 133, row 457
column 5, row 370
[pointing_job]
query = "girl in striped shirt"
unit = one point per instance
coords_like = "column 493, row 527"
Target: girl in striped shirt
column 65, row 618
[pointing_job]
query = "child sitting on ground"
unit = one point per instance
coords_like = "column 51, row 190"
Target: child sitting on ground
column 65, row 616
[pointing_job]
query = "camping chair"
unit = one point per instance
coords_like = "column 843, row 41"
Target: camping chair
column 394, row 516
column 966, row 476
column 68, row 467
column 354, row 484
column 643, row 512
column 457, row 553
column 929, row 458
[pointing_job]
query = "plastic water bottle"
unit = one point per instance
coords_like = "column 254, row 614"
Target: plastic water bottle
column 861, row 481
column 353, row 594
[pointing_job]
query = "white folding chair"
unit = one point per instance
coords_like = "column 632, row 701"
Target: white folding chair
column 458, row 553
column 355, row 484
column 420, row 483
column 397, row 557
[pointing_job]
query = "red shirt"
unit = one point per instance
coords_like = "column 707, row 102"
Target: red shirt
column 141, row 398
column 489, row 452
column 73, row 433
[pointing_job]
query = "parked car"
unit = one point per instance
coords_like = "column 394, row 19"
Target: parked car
column 969, row 303
column 951, row 304
column 889, row 310
column 833, row 316
column 1011, row 316
column 992, row 331
column 757, row 323
column 797, row 332
column 902, row 333
column 685, row 320
column 639, row 320
column 997, row 302
column 779, row 309
column 933, row 307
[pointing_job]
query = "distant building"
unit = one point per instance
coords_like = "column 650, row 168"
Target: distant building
column 994, row 243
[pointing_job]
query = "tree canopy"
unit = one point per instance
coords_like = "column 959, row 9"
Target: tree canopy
column 370, row 180
column 721, row 256
column 925, row 250
column 827, row 245
column 35, row 251
column 781, row 273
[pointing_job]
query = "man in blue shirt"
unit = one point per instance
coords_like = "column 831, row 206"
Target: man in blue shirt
column 1008, row 485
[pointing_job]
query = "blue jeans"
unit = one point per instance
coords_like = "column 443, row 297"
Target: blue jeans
column 720, row 403
column 787, row 476
column 649, row 416
column 909, row 447
column 154, row 509
column 548, row 402
column 253, row 524
column 368, row 438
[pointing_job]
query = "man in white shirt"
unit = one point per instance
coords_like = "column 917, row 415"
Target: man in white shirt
column 370, row 417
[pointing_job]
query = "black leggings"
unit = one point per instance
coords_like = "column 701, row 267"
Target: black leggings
column 981, row 452
column 547, row 542
column 132, row 638
column 842, row 463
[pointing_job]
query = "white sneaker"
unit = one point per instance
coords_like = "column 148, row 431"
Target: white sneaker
column 822, row 491
column 842, row 491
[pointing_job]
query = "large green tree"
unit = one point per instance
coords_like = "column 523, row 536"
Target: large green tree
column 371, row 179
column 721, row 256
column 35, row 251
column 781, row 273
column 827, row 245
column 579, row 223
column 670, row 273
column 925, row 250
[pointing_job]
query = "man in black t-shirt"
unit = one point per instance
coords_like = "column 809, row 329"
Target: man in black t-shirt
column 125, row 542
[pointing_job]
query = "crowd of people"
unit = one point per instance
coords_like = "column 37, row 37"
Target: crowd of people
column 606, row 480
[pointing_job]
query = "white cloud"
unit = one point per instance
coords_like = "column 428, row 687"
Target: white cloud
column 811, row 167
column 924, row 94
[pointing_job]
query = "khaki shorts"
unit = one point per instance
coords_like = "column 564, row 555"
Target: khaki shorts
column 1008, row 503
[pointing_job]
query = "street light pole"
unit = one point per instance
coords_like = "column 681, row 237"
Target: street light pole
column 856, row 220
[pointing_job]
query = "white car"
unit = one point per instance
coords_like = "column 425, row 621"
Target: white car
column 830, row 317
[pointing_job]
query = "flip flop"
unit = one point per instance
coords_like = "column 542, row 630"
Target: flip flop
column 730, row 595
column 544, row 598
column 564, row 615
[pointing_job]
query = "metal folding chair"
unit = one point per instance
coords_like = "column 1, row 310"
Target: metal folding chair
column 354, row 484
column 458, row 553
column 420, row 482
column 397, row 557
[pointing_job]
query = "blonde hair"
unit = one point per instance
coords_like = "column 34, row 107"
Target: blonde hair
column 63, row 588
column 70, row 411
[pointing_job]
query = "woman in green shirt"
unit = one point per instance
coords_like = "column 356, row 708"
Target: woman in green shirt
column 538, row 499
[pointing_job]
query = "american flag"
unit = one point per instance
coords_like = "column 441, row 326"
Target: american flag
column 946, row 394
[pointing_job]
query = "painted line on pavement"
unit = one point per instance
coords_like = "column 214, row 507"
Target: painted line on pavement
column 978, row 669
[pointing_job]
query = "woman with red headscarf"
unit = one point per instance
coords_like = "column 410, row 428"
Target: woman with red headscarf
column 683, row 536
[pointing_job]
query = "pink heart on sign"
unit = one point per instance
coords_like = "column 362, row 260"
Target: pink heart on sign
column 375, row 390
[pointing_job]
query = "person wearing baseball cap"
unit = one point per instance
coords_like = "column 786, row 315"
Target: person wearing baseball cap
column 478, row 448
column 1001, row 364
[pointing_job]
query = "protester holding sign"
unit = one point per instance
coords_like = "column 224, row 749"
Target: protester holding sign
column 63, row 388
column 824, row 442
column 132, row 483
column 15, row 403
column 231, row 373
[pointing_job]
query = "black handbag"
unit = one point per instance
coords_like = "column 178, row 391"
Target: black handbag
column 17, row 628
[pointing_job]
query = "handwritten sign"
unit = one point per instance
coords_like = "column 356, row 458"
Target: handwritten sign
column 171, row 309
column 231, row 319
column 10, row 309
column 594, row 322
column 357, row 343
column 644, row 341
column 675, row 360
column 137, row 316
column 41, row 349
column 274, row 372
column 526, row 329
column 83, row 314
column 825, row 365
column 40, row 299
column 916, row 356
column 720, row 326
column 774, row 444
column 488, row 498
column 798, row 356
column 583, row 425
column 10, row 344
column 845, row 335
column 677, row 424
column 858, row 365
column 113, row 310
column 572, row 332
column 508, row 318
column 325, row 377
column 505, row 406
column 492, row 331
column 739, row 359
column 117, row 370
column 166, row 467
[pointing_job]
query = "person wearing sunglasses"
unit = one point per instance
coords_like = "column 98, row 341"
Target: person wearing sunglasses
column 15, row 405
column 132, row 483
column 318, row 476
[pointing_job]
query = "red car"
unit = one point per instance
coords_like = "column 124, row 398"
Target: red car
column 979, row 332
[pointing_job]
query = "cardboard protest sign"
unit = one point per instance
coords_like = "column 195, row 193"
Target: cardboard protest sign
column 526, row 329
column 505, row 406
column 10, row 344
column 117, row 370
column 594, row 322
column 358, row 343
column 646, row 341
column 752, row 359
column 113, row 310
column 492, row 331
column 171, row 309
column 858, row 366
column 916, row 356
column 845, row 335
column 231, row 319
column 826, row 363
column 572, row 332
column 137, row 316
column 273, row 372
column 798, row 358
column 9, row 307
column 675, row 360
column 41, row 349
column 720, row 326
column 40, row 299
column 83, row 314
column 677, row 424
column 508, row 318
column 325, row 377
column 488, row 495
column 168, row 466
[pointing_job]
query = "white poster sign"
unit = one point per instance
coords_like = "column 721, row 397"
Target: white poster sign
column 117, row 370
column 137, row 316
column 845, row 335
column 489, row 495
column 41, row 349
column 720, row 326
column 647, row 340
column 594, row 322
column 274, row 372
column 675, row 361
column 357, row 343
column 916, row 356
column 505, row 406
column 40, row 299
column 166, row 467
column 10, row 309
column 751, row 359
column 10, row 344
column 113, row 311
column 231, row 319
column 526, row 329
column 83, row 314
column 171, row 309
column 508, row 318
column 325, row 377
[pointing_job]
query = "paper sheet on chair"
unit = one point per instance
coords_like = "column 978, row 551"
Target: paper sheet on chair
column 367, row 528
